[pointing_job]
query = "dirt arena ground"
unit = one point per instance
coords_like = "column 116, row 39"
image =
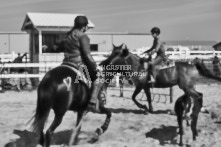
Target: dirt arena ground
column 129, row 126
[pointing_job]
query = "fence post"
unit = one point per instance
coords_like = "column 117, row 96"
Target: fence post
column 171, row 94
column 13, row 55
column 117, row 80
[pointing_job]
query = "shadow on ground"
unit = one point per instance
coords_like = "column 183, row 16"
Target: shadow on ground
column 30, row 139
column 165, row 134
column 122, row 110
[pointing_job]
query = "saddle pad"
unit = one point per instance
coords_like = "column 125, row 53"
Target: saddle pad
column 164, row 65
column 80, row 74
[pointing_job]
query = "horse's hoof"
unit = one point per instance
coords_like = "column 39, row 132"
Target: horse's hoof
column 146, row 112
column 145, row 107
column 94, row 139
column 99, row 131
column 150, row 111
column 180, row 144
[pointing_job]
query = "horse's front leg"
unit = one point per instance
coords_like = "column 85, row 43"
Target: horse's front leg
column 121, row 90
column 103, row 128
column 148, row 94
column 136, row 92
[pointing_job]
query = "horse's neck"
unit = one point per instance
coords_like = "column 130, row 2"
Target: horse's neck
column 135, row 65
column 135, row 68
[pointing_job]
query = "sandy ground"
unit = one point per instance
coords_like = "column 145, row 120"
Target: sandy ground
column 129, row 126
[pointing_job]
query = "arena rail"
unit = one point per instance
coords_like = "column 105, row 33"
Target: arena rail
column 185, row 55
column 32, row 65
column 174, row 55
column 25, row 65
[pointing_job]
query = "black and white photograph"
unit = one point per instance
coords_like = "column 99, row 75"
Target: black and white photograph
column 110, row 73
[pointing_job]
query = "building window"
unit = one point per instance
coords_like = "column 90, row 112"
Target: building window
column 94, row 47
column 50, row 43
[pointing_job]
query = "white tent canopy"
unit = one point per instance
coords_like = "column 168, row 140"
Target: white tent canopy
column 50, row 21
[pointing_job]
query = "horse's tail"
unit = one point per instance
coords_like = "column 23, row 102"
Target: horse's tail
column 204, row 71
column 42, row 109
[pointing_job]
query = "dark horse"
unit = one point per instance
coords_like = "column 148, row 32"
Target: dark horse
column 182, row 74
column 59, row 92
column 183, row 103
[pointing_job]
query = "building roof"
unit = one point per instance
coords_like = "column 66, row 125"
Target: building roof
column 216, row 45
column 189, row 43
column 50, row 21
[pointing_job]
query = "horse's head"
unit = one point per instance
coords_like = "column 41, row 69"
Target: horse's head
column 119, row 56
column 115, row 52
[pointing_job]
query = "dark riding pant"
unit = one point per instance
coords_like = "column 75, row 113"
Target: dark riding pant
column 158, row 59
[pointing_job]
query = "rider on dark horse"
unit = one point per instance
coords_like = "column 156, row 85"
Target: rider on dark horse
column 157, row 47
column 77, row 52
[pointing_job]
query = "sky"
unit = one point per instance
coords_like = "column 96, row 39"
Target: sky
column 177, row 19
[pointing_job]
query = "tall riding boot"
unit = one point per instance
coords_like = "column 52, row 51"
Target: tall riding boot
column 93, row 105
column 151, row 77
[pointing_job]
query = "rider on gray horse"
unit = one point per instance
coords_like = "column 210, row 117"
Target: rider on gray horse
column 77, row 52
column 157, row 47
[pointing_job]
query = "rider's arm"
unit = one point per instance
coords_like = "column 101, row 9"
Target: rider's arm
column 86, row 52
column 153, row 48
column 157, row 45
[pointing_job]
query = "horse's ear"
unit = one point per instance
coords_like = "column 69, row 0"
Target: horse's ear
column 114, row 46
column 126, row 46
column 121, row 46
column 125, row 52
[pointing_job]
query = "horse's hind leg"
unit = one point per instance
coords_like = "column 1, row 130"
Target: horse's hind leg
column 148, row 94
column 74, row 136
column 195, row 117
column 56, row 122
column 136, row 92
column 180, row 123
column 194, row 104
column 193, row 127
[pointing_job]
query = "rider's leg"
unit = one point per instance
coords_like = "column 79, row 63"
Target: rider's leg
column 151, row 68
column 94, row 90
column 94, row 98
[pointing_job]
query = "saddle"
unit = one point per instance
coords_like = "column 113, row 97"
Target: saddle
column 79, row 70
column 163, row 65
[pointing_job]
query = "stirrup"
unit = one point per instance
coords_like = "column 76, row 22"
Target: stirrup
column 93, row 107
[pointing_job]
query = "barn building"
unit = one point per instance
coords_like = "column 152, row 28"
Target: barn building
column 217, row 46
column 47, row 29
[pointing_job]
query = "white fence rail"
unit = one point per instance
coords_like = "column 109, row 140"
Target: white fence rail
column 25, row 65
column 99, row 56
column 33, row 65
column 175, row 55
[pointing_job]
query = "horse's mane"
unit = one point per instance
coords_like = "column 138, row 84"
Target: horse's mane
column 136, row 55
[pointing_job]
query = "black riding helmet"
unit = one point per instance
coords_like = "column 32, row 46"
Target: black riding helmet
column 155, row 30
column 80, row 21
